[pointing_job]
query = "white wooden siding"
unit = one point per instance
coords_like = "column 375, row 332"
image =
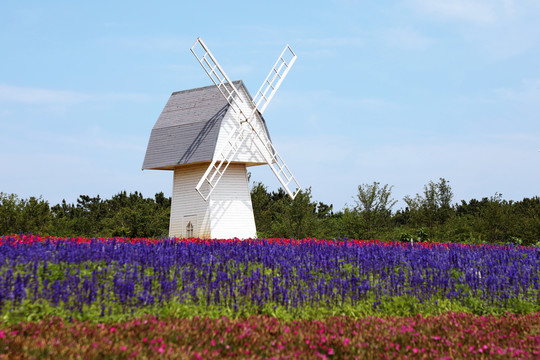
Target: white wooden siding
column 187, row 202
column 227, row 214
column 230, row 206
column 249, row 152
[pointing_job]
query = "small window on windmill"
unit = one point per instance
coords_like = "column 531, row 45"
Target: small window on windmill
column 189, row 230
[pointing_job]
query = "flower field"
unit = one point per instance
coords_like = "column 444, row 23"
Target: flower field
column 449, row 336
column 211, row 298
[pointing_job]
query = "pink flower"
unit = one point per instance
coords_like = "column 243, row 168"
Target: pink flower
column 213, row 342
column 346, row 341
column 330, row 351
column 123, row 348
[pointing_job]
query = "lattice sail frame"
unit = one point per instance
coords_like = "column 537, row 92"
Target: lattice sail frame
column 245, row 128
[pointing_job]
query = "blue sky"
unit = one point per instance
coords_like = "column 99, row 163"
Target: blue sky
column 400, row 92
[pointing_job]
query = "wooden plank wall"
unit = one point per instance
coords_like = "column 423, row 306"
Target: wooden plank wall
column 227, row 214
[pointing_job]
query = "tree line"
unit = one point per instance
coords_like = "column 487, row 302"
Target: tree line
column 428, row 216
column 130, row 215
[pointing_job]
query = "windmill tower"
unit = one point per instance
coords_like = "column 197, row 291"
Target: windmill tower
column 208, row 136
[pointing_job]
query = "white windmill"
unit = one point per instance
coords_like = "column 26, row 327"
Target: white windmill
column 208, row 136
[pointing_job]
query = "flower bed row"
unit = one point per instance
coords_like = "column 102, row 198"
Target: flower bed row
column 449, row 336
column 114, row 279
column 32, row 239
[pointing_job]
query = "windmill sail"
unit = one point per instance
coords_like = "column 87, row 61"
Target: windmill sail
column 244, row 128
column 274, row 79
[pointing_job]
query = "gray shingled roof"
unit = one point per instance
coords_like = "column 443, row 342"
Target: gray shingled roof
column 187, row 129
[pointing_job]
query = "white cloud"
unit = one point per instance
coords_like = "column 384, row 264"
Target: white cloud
column 406, row 38
column 318, row 47
column 4, row 113
column 37, row 96
column 498, row 28
column 331, row 107
column 529, row 92
column 475, row 11
column 241, row 71
column 488, row 13
column 58, row 98
column 97, row 139
column 169, row 44
column 327, row 98
column 331, row 42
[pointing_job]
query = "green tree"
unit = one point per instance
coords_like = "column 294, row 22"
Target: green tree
column 295, row 218
column 36, row 216
column 349, row 224
column 527, row 224
column 432, row 208
column 133, row 215
column 277, row 215
column 10, row 213
column 374, row 203
column 261, row 201
column 65, row 218
column 496, row 218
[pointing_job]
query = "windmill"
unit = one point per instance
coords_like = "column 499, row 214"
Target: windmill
column 209, row 136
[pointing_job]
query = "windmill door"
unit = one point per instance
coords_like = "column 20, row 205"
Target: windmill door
column 190, row 228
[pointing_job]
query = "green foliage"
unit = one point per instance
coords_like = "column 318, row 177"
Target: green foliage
column 21, row 215
column 432, row 208
column 278, row 216
column 429, row 216
column 10, row 212
column 374, row 208
column 123, row 215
